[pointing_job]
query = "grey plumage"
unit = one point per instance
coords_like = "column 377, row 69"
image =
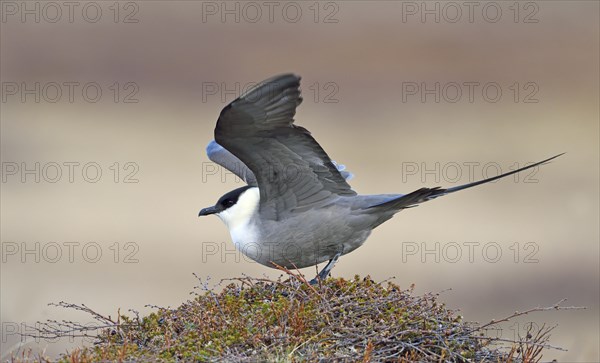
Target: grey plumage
column 221, row 156
column 291, row 168
column 304, row 211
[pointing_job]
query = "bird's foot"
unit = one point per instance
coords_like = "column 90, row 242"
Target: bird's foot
column 326, row 270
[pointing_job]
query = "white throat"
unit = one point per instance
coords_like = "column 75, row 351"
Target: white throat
column 240, row 217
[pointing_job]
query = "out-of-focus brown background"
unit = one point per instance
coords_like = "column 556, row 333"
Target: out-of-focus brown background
column 367, row 68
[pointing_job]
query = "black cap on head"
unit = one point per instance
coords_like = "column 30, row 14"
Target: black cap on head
column 226, row 201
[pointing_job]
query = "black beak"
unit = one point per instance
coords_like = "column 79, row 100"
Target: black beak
column 208, row 211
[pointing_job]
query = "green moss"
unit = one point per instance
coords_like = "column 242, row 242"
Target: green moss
column 254, row 319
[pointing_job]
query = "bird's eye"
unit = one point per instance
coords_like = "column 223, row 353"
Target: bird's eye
column 228, row 203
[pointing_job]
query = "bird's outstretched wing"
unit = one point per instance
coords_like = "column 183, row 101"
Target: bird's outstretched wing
column 425, row 194
column 292, row 171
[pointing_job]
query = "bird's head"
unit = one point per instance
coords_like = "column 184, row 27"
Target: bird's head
column 235, row 207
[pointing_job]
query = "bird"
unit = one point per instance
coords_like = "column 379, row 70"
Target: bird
column 297, row 209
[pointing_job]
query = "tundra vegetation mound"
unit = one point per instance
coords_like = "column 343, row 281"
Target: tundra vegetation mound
column 258, row 319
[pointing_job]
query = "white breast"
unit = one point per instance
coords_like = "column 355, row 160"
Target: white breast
column 241, row 219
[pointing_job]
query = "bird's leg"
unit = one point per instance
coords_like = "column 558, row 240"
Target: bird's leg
column 326, row 270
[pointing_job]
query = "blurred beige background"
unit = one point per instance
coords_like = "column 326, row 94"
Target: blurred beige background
column 355, row 58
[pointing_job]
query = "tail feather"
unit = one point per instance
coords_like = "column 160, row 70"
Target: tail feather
column 425, row 194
